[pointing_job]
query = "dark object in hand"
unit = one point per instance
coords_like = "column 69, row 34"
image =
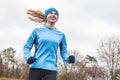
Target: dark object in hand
column 31, row 60
column 72, row 59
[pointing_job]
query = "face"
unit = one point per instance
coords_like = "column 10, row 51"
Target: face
column 52, row 17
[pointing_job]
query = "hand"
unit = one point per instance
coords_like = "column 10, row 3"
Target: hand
column 31, row 60
column 72, row 59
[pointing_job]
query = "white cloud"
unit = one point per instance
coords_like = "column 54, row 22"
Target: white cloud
column 84, row 22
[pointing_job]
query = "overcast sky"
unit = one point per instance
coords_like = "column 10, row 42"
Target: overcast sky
column 85, row 22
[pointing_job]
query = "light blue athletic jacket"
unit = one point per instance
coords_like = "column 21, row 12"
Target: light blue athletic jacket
column 47, row 41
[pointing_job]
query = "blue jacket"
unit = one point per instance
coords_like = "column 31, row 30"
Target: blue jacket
column 47, row 41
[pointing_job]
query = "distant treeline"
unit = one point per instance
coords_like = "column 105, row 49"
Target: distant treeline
column 106, row 66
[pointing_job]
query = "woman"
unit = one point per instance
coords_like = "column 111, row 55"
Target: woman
column 47, row 39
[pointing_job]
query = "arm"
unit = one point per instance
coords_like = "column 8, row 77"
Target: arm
column 28, row 46
column 63, row 50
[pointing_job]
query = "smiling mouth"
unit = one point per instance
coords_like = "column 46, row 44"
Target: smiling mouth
column 53, row 18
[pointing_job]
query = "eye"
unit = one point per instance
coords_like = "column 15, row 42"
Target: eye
column 50, row 13
column 53, row 12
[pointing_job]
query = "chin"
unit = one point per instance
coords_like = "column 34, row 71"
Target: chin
column 53, row 21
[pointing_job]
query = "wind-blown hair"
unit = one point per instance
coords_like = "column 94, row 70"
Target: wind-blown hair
column 36, row 16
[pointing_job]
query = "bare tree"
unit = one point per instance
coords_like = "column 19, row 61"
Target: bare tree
column 1, row 66
column 67, row 71
column 7, row 56
column 109, row 52
column 85, row 68
column 11, row 66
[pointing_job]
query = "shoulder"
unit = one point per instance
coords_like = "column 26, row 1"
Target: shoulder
column 60, row 32
column 38, row 29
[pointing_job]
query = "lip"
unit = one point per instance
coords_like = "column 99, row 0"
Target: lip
column 53, row 18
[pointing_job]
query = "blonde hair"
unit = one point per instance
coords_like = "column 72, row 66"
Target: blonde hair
column 36, row 16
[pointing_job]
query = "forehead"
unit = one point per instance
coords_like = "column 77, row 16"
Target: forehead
column 52, row 12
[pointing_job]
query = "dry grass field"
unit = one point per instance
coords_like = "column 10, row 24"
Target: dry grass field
column 9, row 79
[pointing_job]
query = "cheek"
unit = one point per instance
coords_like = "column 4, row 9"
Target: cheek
column 47, row 17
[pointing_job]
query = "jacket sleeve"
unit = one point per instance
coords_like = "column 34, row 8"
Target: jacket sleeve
column 28, row 46
column 63, row 50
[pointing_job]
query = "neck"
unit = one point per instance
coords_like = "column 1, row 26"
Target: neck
column 50, row 25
